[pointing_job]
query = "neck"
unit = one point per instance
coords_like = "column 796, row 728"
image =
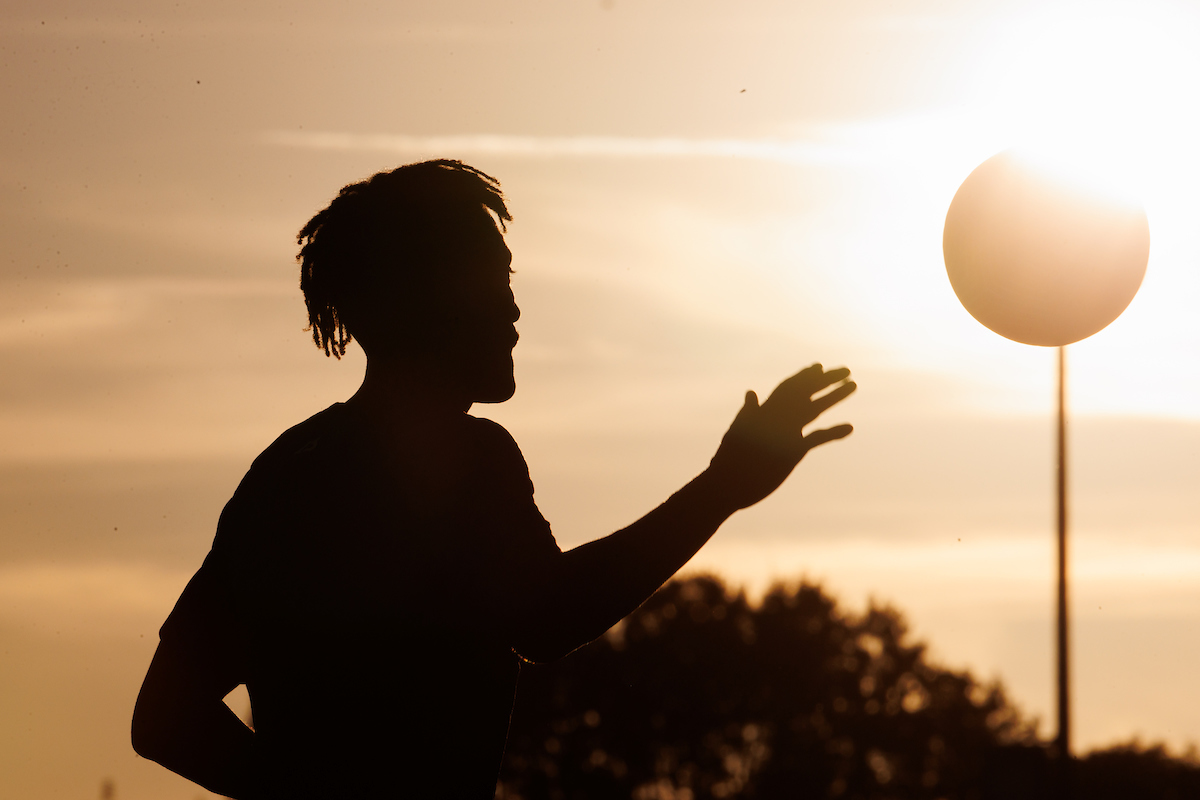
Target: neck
column 406, row 388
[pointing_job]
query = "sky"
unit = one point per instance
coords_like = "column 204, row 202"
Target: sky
column 707, row 197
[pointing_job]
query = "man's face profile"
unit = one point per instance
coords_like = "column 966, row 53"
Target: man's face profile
column 457, row 322
column 479, row 315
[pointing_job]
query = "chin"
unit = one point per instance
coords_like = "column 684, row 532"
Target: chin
column 492, row 380
column 497, row 394
column 493, row 386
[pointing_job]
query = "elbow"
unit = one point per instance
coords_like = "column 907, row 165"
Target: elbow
column 542, row 648
column 153, row 729
column 553, row 622
column 539, row 654
column 542, row 638
column 160, row 735
column 161, row 709
column 144, row 733
column 549, row 636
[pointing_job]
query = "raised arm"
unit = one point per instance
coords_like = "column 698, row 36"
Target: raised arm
column 595, row 585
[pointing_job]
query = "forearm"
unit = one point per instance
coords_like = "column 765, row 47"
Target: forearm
column 635, row 561
column 595, row 585
column 182, row 723
column 210, row 746
column 591, row 587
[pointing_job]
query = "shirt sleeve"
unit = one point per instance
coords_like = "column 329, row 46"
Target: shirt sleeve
column 526, row 535
column 206, row 624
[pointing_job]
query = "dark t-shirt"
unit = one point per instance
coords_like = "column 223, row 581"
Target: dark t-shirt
column 370, row 611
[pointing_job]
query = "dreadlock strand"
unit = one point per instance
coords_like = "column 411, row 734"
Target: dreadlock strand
column 341, row 245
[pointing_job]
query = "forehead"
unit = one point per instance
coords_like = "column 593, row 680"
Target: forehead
column 480, row 244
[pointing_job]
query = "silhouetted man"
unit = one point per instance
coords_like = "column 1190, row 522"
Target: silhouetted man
column 382, row 568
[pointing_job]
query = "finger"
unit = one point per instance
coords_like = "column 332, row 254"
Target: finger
column 807, row 382
column 820, row 437
column 820, row 404
column 836, row 374
column 809, row 376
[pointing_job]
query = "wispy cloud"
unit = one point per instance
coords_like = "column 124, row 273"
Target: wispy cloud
column 53, row 311
column 795, row 151
column 1014, row 568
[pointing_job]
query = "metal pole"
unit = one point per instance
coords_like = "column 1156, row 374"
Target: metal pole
column 1062, row 744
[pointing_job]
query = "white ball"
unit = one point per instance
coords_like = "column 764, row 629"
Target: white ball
column 1040, row 258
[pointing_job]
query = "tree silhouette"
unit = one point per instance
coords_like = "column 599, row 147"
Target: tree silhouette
column 1134, row 770
column 701, row 695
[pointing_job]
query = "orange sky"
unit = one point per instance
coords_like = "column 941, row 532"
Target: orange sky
column 706, row 198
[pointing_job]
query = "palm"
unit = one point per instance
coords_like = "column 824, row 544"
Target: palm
column 765, row 442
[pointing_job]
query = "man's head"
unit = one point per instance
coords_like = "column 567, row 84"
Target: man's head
column 412, row 264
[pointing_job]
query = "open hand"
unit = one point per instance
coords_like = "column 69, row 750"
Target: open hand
column 766, row 442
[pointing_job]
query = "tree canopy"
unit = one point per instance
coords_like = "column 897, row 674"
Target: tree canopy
column 701, row 694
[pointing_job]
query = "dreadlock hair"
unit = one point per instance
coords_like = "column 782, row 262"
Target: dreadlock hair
column 395, row 224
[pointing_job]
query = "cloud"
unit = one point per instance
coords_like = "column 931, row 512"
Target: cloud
column 1011, row 568
column 55, row 311
column 792, row 151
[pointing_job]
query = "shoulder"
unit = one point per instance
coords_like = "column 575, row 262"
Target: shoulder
column 279, row 477
column 496, row 444
column 500, row 459
column 324, row 431
column 491, row 433
column 321, row 437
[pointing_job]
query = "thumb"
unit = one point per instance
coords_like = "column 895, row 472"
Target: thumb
column 748, row 407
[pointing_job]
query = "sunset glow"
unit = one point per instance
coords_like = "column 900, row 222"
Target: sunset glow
column 705, row 199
